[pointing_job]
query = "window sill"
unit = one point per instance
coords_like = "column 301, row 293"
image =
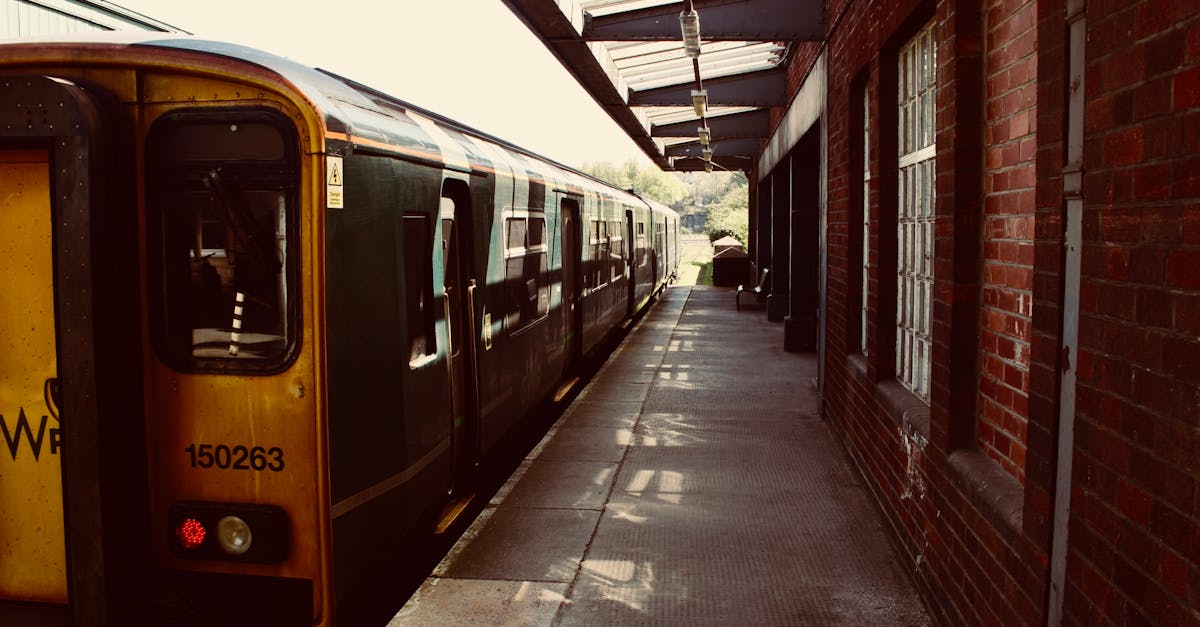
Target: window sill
column 904, row 408
column 997, row 495
column 858, row 365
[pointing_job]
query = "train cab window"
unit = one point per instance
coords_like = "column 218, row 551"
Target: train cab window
column 526, row 269
column 222, row 189
column 420, row 313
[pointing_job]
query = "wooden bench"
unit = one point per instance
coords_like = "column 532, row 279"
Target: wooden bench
column 759, row 291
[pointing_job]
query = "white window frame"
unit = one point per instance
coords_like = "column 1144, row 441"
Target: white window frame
column 917, row 69
column 866, row 219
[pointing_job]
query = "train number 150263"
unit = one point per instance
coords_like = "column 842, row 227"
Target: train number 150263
column 237, row 457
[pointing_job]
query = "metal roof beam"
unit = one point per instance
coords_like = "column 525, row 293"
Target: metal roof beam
column 765, row 88
column 731, row 164
column 721, row 148
column 748, row 124
column 761, row 20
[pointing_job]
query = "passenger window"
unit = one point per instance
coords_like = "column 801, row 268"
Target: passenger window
column 617, row 250
column 598, row 255
column 420, row 311
column 222, row 189
column 640, row 259
column 526, row 270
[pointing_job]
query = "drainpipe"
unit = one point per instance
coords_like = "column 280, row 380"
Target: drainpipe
column 1073, row 195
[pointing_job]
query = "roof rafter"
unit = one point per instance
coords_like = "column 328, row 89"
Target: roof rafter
column 764, row 88
column 720, row 148
column 762, row 20
column 747, row 124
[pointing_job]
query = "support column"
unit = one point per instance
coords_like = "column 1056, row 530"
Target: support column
column 777, row 302
column 762, row 226
column 800, row 327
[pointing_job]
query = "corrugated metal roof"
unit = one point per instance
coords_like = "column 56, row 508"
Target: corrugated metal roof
column 31, row 18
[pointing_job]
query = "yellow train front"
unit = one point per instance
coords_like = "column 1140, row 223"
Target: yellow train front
column 262, row 323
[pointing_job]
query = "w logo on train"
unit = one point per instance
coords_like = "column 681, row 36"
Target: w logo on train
column 20, row 429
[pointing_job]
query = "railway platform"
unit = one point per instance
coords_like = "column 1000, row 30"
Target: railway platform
column 691, row 483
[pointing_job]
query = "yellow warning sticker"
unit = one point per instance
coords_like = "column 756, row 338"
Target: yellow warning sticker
column 333, row 183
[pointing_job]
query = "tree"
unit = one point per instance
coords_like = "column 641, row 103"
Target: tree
column 650, row 182
column 730, row 215
column 719, row 200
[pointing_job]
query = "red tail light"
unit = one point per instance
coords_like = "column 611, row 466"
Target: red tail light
column 191, row 533
column 238, row 532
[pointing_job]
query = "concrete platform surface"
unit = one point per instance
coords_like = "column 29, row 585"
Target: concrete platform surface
column 691, row 483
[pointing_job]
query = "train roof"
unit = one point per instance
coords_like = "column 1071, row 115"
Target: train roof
column 348, row 107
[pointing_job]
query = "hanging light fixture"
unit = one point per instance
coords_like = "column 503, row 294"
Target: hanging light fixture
column 700, row 101
column 707, row 152
column 708, row 166
column 689, row 23
column 703, row 135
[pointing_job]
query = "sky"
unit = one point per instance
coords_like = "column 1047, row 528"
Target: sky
column 470, row 60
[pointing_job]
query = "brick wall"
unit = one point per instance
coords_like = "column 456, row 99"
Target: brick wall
column 966, row 482
column 1135, row 529
column 1010, row 136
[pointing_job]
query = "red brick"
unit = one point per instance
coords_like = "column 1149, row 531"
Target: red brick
column 1123, row 147
column 1183, row 269
column 1173, row 572
column 1154, row 308
column 1186, row 178
column 1153, row 16
column 1187, row 89
column 1175, row 529
column 1165, row 52
column 1147, row 266
column 1161, row 225
column 1189, row 225
column 1181, row 357
column 1152, row 182
column 1192, row 52
column 1186, row 313
column 1152, row 391
column 1110, row 450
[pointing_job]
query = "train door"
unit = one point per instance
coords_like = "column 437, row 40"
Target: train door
column 459, row 294
column 70, row 389
column 31, row 507
column 571, row 256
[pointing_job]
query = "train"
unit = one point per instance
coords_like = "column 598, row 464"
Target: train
column 261, row 324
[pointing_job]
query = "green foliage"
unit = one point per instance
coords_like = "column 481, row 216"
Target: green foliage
column 650, row 182
column 717, row 200
column 730, row 214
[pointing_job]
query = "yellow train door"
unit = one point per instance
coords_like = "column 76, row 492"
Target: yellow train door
column 32, row 553
column 72, row 447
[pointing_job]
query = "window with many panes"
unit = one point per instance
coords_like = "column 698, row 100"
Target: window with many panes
column 866, row 218
column 915, row 220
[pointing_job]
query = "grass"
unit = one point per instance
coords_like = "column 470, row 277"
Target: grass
column 695, row 260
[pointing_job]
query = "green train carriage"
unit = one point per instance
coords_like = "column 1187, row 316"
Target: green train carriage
column 269, row 320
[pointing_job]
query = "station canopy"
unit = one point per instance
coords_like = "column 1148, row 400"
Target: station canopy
column 697, row 109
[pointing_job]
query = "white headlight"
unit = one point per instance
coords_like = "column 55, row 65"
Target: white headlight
column 233, row 534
